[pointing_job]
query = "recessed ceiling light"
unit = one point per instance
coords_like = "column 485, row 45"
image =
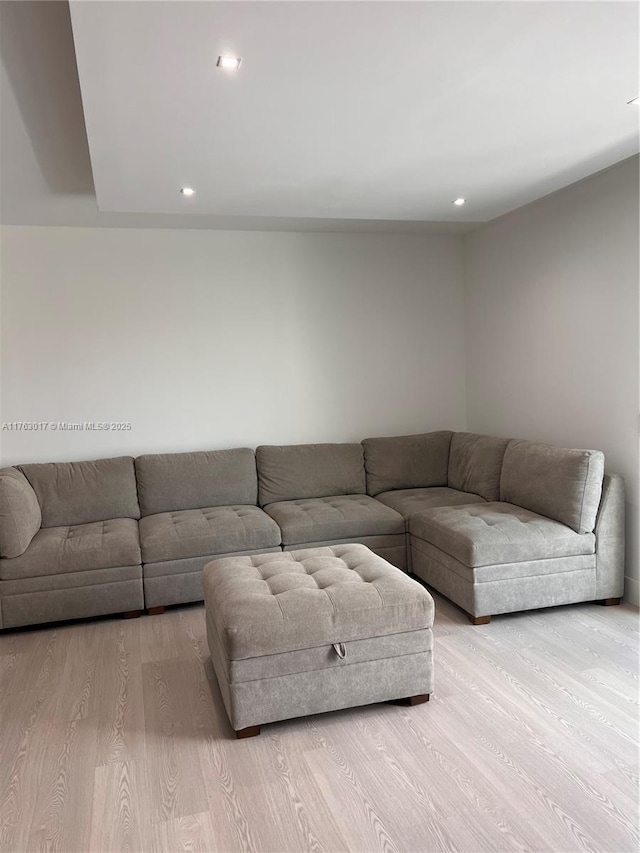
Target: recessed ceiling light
column 458, row 202
column 229, row 63
column 634, row 101
column 187, row 191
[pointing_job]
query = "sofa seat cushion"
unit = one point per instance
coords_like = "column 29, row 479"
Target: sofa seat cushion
column 409, row 501
column 209, row 531
column 491, row 533
column 339, row 517
column 77, row 548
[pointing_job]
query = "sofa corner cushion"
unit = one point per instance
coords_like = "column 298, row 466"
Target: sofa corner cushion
column 20, row 515
column 169, row 482
column 72, row 493
column 338, row 517
column 562, row 484
column 485, row 534
column 475, row 464
column 297, row 471
column 207, row 531
column 410, row 501
column 77, row 548
column 406, row 461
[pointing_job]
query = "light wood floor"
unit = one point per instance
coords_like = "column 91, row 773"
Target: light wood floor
column 115, row 739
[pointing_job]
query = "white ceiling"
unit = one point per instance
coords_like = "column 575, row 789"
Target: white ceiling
column 352, row 110
column 344, row 116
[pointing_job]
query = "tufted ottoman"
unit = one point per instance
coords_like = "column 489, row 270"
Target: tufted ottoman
column 302, row 632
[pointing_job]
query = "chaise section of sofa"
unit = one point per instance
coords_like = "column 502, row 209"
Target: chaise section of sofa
column 69, row 544
column 196, row 507
column 536, row 546
column 317, row 495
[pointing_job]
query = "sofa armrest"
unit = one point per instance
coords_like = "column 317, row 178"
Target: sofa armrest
column 20, row 515
column 610, row 537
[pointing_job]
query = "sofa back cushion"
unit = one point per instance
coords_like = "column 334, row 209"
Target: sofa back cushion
column 169, row 482
column 82, row 492
column 475, row 464
column 296, row 471
column 562, row 484
column 407, row 461
column 20, row 516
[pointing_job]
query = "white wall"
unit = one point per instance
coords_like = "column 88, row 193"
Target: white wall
column 552, row 326
column 206, row 339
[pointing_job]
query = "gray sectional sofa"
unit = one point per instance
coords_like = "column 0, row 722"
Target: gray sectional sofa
column 496, row 525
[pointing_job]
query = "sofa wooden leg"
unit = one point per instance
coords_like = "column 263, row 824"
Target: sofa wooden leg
column 418, row 699
column 609, row 602
column 250, row 731
column 156, row 611
column 132, row 614
column 479, row 620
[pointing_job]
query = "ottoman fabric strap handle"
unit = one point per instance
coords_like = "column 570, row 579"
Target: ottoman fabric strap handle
column 340, row 649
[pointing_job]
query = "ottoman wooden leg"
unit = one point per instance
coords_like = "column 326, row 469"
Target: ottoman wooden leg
column 250, row 731
column 155, row 611
column 479, row 620
column 609, row 602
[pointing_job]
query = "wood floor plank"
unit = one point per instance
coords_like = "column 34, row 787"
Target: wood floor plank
column 65, row 790
column 340, row 780
column 279, row 788
column 190, row 640
column 196, row 833
column 65, row 785
column 171, row 746
column 27, row 717
column 10, row 659
column 539, row 688
column 476, row 778
column 119, row 789
column 589, row 801
column 228, row 800
column 157, row 637
column 626, row 779
column 21, row 759
column 38, row 657
column 114, row 738
column 323, row 823
column 117, row 702
column 530, row 800
column 460, row 788
column 621, row 688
